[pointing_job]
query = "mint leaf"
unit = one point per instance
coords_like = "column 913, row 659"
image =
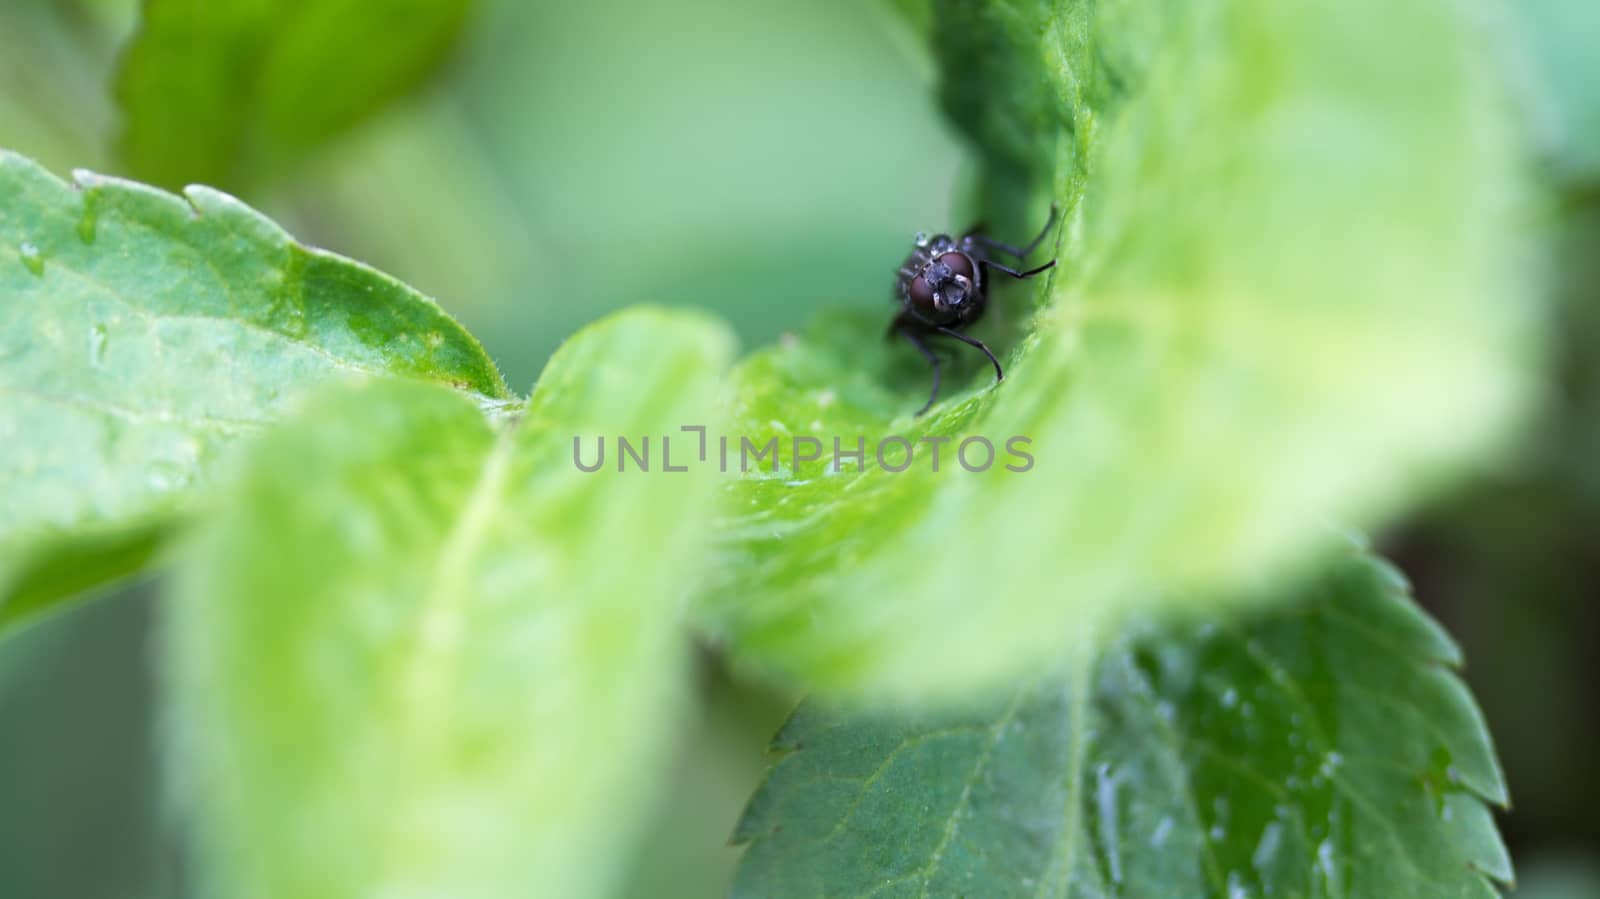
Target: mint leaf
column 472, row 647
column 1288, row 295
column 140, row 336
column 1322, row 748
column 226, row 91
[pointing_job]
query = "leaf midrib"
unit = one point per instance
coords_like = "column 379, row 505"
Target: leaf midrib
column 430, row 672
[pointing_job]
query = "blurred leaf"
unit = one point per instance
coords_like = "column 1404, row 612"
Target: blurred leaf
column 1558, row 40
column 1324, row 748
column 140, row 335
column 560, row 155
column 685, row 853
column 1288, row 294
column 55, row 59
column 1556, row 875
column 78, row 762
column 223, row 92
column 471, row 646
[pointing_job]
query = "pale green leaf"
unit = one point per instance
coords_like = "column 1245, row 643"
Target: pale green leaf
column 416, row 657
column 225, row 91
column 1322, row 749
column 1288, row 295
column 140, row 335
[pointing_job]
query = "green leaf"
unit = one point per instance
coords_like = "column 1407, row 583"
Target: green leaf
column 1288, row 294
column 1557, row 41
column 415, row 657
column 227, row 91
column 1324, row 748
column 141, row 335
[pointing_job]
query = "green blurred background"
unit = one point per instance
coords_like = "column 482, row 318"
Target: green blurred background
column 761, row 159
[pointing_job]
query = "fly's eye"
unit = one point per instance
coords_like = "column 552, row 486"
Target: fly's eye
column 922, row 293
column 959, row 264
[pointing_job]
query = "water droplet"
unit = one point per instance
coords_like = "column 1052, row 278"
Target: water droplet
column 97, row 345
column 1267, row 849
column 31, row 258
column 1331, row 763
column 89, row 220
column 1441, row 777
column 1236, row 888
column 1326, row 865
column 1230, row 698
column 1162, row 831
column 1217, row 833
column 165, row 477
column 1106, row 801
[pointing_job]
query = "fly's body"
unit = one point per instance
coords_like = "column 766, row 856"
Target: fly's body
column 943, row 289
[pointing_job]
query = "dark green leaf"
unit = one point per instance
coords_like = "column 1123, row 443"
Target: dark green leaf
column 140, row 335
column 1322, row 749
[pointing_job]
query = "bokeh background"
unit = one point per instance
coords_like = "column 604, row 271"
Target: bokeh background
column 762, row 159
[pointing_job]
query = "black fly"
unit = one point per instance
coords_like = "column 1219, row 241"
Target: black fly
column 943, row 289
